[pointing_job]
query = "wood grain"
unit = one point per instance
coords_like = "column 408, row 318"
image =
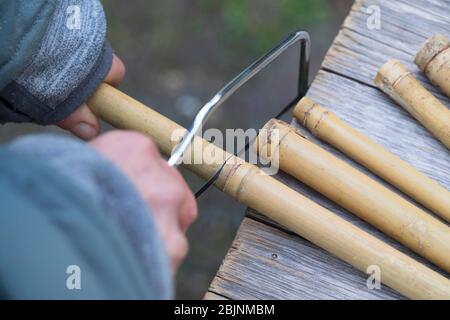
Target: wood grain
column 267, row 263
column 345, row 85
column 358, row 52
column 212, row 296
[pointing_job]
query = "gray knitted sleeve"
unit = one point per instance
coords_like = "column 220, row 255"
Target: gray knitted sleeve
column 114, row 193
column 73, row 58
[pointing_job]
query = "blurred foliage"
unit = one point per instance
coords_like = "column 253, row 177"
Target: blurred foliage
column 264, row 26
column 228, row 32
column 258, row 24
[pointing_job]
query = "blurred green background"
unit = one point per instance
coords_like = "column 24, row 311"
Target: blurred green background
column 180, row 52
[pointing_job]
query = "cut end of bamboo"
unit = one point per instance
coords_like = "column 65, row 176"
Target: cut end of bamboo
column 397, row 82
column 302, row 108
column 309, row 113
column 390, row 74
column 430, row 49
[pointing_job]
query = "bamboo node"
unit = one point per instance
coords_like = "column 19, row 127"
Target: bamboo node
column 430, row 49
column 264, row 144
column 310, row 114
column 390, row 74
column 236, row 179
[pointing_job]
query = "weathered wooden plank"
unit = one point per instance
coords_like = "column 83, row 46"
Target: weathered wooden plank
column 212, row 296
column 266, row 263
column 358, row 52
column 345, row 86
column 368, row 110
column 386, row 123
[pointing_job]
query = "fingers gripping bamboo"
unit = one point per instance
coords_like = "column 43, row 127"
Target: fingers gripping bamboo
column 398, row 83
column 248, row 185
column 328, row 127
column 359, row 194
column 433, row 58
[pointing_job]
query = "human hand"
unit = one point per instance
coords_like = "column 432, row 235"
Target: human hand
column 82, row 122
column 162, row 187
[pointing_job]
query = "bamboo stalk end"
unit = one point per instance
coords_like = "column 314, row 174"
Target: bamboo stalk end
column 389, row 75
column 309, row 114
column 432, row 47
column 302, row 108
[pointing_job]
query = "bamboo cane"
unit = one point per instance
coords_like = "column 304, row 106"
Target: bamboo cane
column 328, row 127
column 433, row 58
column 249, row 185
column 358, row 193
column 398, row 83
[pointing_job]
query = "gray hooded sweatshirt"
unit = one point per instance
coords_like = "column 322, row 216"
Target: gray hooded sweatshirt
column 66, row 211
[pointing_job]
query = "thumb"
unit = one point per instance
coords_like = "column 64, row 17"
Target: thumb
column 82, row 123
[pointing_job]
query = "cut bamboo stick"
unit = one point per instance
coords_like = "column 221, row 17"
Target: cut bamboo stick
column 397, row 82
column 249, row 185
column 358, row 193
column 433, row 58
column 325, row 125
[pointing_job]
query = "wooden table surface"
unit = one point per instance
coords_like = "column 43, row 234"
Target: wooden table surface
column 266, row 261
